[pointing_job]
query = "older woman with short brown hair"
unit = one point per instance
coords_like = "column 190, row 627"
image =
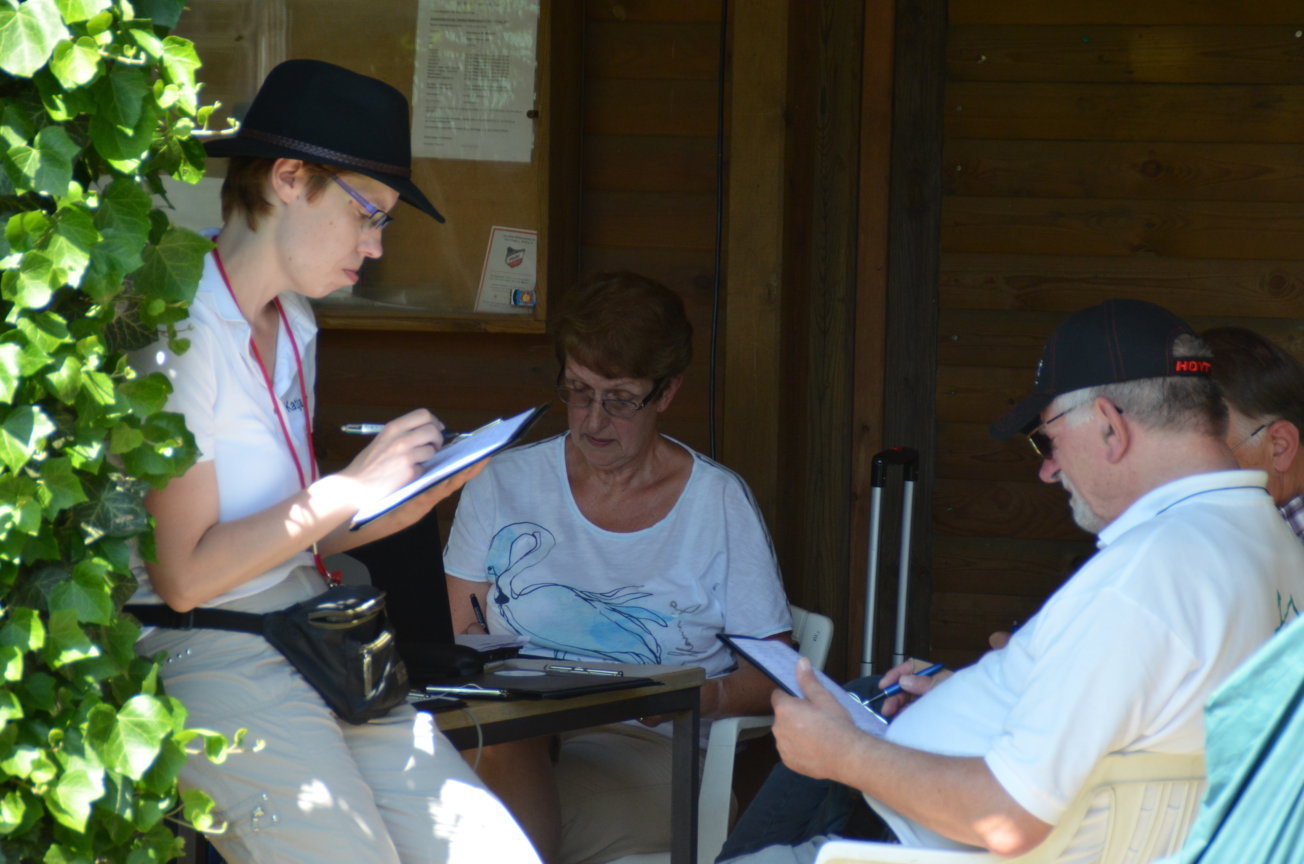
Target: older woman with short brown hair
column 614, row 542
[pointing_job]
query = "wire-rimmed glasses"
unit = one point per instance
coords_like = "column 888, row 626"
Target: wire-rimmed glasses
column 1250, row 437
column 376, row 218
column 621, row 409
column 1041, row 443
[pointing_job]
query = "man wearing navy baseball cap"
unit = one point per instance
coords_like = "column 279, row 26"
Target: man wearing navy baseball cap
column 1195, row 570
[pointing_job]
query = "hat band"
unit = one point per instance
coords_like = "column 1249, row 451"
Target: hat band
column 325, row 153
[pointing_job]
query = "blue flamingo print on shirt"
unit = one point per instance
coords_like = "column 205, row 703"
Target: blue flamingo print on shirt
column 562, row 618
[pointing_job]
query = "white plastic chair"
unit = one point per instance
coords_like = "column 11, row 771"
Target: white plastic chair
column 812, row 632
column 1152, row 799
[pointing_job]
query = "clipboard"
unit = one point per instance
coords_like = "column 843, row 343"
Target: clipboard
column 463, row 452
column 778, row 661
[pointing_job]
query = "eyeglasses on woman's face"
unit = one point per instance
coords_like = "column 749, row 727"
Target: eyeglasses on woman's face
column 376, row 218
column 615, row 406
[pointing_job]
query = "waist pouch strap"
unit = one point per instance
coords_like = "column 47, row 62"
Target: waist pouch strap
column 215, row 619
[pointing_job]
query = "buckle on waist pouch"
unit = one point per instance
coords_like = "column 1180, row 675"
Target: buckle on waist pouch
column 350, row 612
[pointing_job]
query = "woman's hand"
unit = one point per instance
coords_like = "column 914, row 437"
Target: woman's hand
column 395, row 456
column 912, row 686
column 400, row 438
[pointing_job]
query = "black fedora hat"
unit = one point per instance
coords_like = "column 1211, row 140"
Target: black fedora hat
column 323, row 113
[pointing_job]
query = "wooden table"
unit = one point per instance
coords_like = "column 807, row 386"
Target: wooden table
column 675, row 694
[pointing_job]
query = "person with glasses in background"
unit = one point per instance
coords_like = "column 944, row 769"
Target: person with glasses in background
column 614, row 542
column 317, row 164
column 1264, row 390
column 1194, row 571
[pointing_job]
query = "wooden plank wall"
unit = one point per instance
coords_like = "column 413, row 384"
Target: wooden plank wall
column 817, row 343
column 648, row 161
column 1094, row 149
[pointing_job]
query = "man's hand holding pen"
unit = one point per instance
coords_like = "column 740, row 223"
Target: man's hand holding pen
column 913, row 678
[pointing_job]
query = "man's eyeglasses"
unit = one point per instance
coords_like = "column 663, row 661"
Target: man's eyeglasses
column 1248, row 438
column 621, row 409
column 376, row 218
column 1042, row 444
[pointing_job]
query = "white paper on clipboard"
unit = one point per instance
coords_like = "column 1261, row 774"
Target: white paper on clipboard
column 778, row 660
column 447, row 461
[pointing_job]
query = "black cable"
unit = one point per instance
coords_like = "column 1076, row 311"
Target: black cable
column 719, row 232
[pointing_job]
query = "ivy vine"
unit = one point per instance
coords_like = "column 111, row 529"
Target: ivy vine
column 97, row 101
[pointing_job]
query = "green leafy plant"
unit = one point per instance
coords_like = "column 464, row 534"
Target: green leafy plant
column 96, row 102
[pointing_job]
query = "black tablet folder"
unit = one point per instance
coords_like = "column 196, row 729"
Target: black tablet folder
column 549, row 685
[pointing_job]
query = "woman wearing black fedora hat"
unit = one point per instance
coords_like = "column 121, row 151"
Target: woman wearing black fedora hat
column 317, row 164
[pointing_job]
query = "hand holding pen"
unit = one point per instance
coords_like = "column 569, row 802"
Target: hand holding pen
column 373, row 429
column 395, row 456
column 896, row 693
column 376, row 428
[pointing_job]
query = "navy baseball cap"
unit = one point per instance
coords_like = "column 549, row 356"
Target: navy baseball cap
column 1119, row 340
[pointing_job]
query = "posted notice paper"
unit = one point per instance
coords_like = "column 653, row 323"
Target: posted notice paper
column 511, row 271
column 473, row 79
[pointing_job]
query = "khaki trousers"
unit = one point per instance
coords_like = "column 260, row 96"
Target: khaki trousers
column 309, row 787
column 614, row 783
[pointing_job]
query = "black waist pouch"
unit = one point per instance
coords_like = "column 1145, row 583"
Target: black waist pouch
column 340, row 642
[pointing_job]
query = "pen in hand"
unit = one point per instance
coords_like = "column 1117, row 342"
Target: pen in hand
column 895, row 688
column 374, row 429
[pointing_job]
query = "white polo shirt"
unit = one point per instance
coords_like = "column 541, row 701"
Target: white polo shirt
column 218, row 387
column 1187, row 583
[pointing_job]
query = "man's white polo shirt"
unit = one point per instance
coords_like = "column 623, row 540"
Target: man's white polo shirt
column 1187, row 583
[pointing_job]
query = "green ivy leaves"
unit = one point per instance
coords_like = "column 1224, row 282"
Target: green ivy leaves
column 170, row 272
column 76, row 63
column 28, row 35
column 23, row 433
column 45, row 165
column 97, row 100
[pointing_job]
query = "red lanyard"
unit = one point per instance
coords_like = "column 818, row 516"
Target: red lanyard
column 331, row 578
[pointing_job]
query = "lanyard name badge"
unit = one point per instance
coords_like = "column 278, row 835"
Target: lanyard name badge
column 335, row 578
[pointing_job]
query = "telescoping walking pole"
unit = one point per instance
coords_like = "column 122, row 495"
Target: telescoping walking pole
column 908, row 459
